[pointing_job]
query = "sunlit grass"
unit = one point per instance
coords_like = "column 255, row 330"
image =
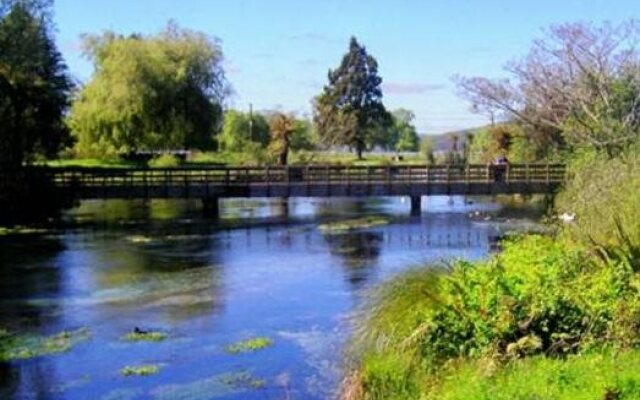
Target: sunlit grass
column 603, row 375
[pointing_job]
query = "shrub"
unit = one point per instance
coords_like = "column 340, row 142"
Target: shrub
column 540, row 296
column 604, row 194
column 165, row 161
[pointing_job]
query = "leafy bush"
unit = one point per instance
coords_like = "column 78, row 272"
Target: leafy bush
column 165, row 161
column 540, row 296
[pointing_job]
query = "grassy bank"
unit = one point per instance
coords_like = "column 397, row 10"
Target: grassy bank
column 551, row 317
column 254, row 158
column 542, row 298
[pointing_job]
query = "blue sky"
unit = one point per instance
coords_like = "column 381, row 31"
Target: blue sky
column 278, row 52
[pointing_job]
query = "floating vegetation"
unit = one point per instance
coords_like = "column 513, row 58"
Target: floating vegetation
column 243, row 380
column 22, row 347
column 144, row 336
column 140, row 370
column 249, row 345
column 353, row 224
column 139, row 239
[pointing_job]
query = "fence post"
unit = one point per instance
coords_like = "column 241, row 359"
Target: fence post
column 548, row 173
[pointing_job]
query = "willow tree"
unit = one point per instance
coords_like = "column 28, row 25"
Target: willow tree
column 150, row 92
column 350, row 112
column 34, row 84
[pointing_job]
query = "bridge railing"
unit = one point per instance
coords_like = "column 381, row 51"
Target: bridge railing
column 313, row 174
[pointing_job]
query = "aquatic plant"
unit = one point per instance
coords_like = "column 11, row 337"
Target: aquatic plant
column 140, row 370
column 353, row 224
column 249, row 345
column 144, row 336
column 21, row 347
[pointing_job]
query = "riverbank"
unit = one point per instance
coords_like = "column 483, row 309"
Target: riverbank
column 553, row 317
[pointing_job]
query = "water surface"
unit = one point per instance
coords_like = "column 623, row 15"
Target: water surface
column 263, row 270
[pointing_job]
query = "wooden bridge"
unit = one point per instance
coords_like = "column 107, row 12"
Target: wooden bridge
column 212, row 183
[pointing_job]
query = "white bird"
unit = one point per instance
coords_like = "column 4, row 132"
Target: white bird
column 566, row 217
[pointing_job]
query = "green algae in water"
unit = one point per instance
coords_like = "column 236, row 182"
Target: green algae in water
column 353, row 224
column 140, row 370
column 249, row 345
column 22, row 347
column 150, row 336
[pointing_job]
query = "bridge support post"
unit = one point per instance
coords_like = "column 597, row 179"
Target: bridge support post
column 416, row 206
column 210, row 207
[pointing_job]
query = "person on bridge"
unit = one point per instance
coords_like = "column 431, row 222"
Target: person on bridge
column 500, row 165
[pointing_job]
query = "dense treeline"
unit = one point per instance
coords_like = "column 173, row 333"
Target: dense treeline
column 168, row 91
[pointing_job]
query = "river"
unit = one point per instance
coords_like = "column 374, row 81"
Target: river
column 263, row 270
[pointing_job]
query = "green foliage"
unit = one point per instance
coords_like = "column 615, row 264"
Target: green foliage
column 353, row 224
column 303, row 136
column 540, row 296
column 34, row 84
column 165, row 161
column 149, row 93
column 21, row 347
column 249, row 345
column 349, row 112
column 144, row 337
column 604, row 194
column 253, row 155
column 597, row 375
column 508, row 140
column 243, row 129
column 92, row 163
column 403, row 135
column 140, row 370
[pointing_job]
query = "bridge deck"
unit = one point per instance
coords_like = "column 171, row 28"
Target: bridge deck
column 308, row 181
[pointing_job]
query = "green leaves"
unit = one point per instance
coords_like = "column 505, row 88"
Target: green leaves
column 350, row 109
column 34, row 85
column 156, row 92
